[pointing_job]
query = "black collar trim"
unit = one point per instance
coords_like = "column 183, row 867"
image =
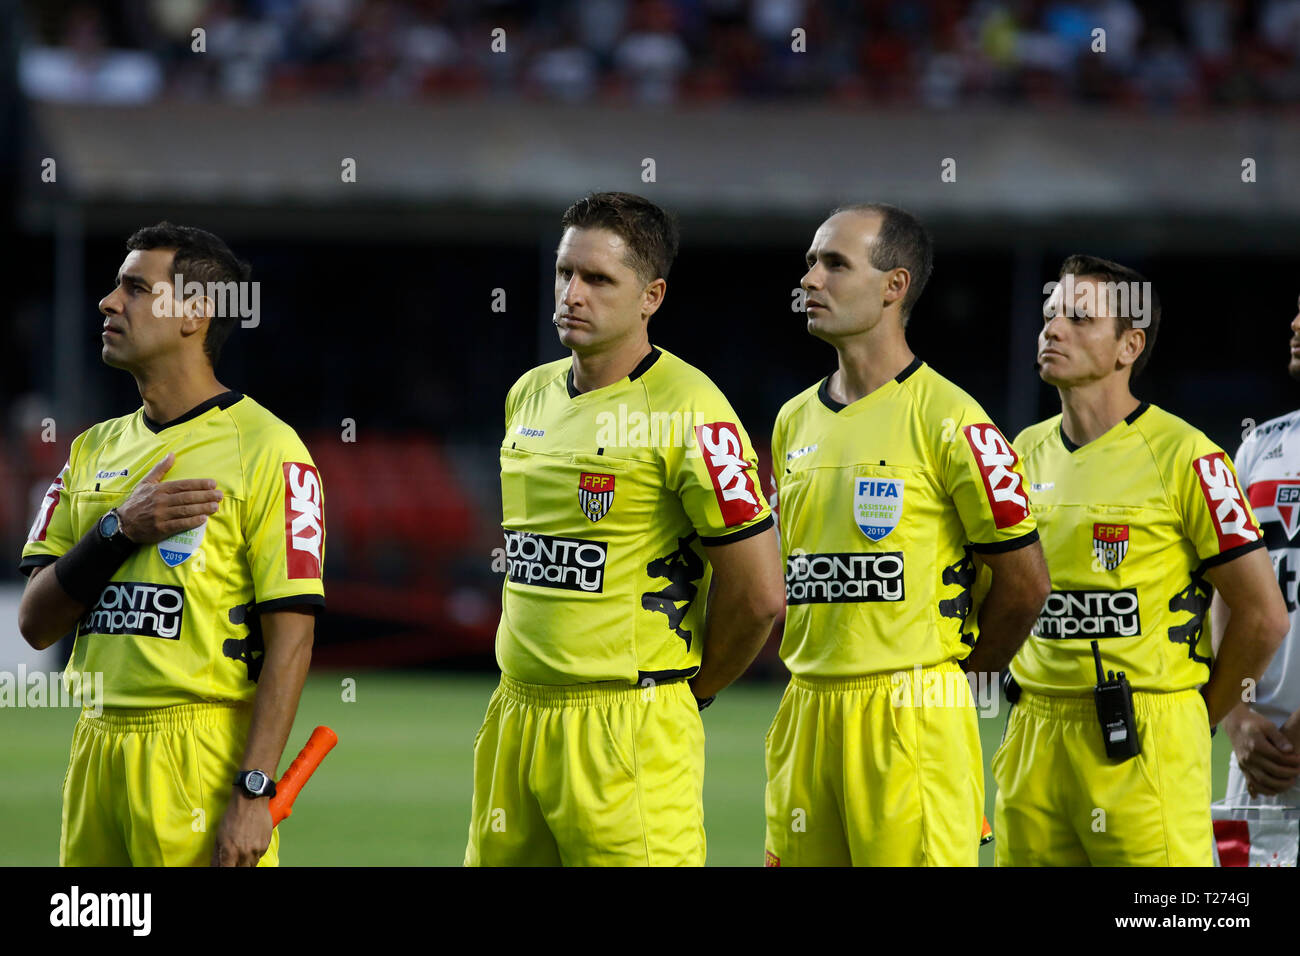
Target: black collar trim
column 907, row 372
column 824, row 391
column 642, row 367
column 1070, row 446
column 1136, row 413
column 224, row 400
column 1129, row 419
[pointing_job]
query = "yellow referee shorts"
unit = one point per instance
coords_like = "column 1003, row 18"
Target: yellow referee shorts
column 882, row 770
column 1062, row 802
column 603, row 774
column 148, row 787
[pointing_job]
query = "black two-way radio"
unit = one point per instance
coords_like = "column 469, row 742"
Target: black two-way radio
column 1115, row 711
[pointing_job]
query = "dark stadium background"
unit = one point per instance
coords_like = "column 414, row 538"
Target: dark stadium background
column 377, row 296
column 402, row 339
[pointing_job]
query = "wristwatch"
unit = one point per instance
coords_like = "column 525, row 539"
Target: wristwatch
column 255, row 783
column 110, row 530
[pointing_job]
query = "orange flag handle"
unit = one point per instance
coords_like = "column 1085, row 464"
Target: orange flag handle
column 320, row 743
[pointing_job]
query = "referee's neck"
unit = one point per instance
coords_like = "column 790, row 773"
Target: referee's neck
column 1089, row 411
column 596, row 370
column 866, row 366
column 167, row 394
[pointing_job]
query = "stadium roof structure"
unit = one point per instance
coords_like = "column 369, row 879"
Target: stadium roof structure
column 473, row 168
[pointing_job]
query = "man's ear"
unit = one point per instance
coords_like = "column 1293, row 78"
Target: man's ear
column 196, row 312
column 653, row 297
column 1132, row 345
column 896, row 286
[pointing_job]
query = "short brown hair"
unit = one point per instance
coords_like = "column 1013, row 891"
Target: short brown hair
column 1080, row 265
column 650, row 232
column 902, row 242
column 200, row 257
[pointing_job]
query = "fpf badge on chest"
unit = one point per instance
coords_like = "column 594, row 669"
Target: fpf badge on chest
column 1109, row 544
column 595, row 494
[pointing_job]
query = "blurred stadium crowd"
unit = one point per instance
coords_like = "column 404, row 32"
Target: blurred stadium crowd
column 1172, row 55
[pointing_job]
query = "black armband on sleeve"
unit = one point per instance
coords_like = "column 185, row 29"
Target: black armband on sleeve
column 93, row 560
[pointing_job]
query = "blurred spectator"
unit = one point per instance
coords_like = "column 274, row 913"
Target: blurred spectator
column 938, row 54
column 80, row 69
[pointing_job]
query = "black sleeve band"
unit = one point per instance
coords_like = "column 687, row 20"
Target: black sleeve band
column 310, row 602
column 1223, row 557
column 740, row 535
column 93, row 560
column 1012, row 544
column 33, row 561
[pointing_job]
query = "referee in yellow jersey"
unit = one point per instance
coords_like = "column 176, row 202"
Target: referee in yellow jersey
column 183, row 545
column 1105, row 759
column 911, row 558
column 641, row 578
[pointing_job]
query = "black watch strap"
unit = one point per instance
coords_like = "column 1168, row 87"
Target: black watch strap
column 242, row 782
column 703, row 702
column 91, row 563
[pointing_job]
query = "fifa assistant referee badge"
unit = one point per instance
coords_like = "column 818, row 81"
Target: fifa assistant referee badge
column 254, row 783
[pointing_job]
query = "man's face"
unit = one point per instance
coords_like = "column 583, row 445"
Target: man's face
column 133, row 335
column 599, row 298
column 1294, row 367
column 1081, row 348
column 846, row 294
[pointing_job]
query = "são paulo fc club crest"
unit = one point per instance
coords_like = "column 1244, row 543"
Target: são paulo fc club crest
column 877, row 505
column 595, row 494
column 1109, row 544
column 1287, row 503
column 177, row 549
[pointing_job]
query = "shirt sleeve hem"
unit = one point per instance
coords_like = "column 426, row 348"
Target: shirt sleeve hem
column 315, row 601
column 1223, row 557
column 1011, row 544
column 33, row 561
column 739, row 535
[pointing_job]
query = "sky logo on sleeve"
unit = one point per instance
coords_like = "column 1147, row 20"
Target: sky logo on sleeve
column 877, row 505
column 997, row 460
column 1232, row 522
column 304, row 527
column 733, row 483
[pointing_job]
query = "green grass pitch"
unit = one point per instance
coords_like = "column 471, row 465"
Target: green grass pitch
column 396, row 790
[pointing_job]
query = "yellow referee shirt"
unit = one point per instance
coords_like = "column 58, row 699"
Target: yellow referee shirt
column 1129, row 522
column 608, row 498
column 178, row 622
column 881, row 504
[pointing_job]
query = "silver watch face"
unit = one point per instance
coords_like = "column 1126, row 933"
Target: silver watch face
column 255, row 782
column 109, row 525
